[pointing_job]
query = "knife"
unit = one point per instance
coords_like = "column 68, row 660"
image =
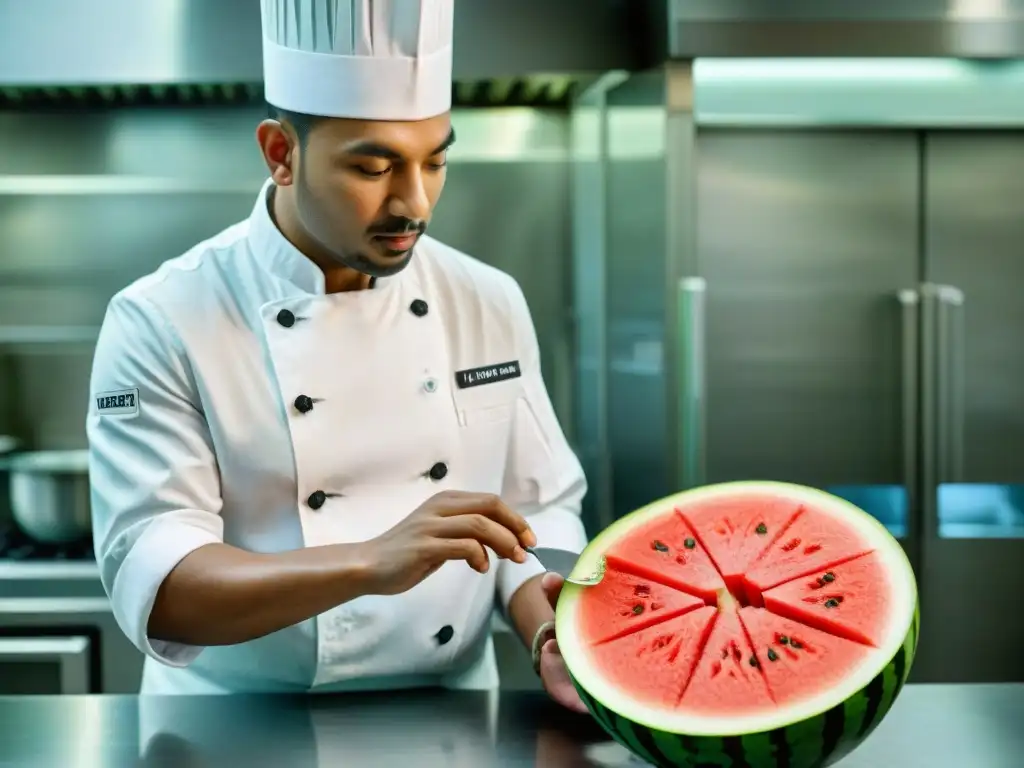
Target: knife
column 562, row 562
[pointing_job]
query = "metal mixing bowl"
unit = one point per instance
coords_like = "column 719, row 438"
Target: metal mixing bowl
column 50, row 494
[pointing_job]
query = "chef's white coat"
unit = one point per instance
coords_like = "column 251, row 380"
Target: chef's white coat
column 199, row 433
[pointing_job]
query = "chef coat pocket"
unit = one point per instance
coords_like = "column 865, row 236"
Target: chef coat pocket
column 488, row 414
column 485, row 428
column 489, row 404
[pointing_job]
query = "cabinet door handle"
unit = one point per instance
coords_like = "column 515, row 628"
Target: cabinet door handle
column 952, row 373
column 942, row 395
column 910, row 351
column 692, row 469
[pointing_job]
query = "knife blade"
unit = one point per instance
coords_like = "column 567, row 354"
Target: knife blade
column 562, row 562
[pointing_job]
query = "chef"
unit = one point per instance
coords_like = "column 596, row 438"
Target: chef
column 320, row 440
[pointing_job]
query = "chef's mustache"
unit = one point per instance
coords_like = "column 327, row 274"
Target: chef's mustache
column 398, row 225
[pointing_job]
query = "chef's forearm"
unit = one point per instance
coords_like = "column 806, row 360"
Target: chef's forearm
column 222, row 595
column 529, row 608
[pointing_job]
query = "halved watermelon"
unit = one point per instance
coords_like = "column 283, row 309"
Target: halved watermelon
column 795, row 629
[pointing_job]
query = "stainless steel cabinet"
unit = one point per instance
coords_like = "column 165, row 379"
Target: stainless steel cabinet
column 973, row 404
column 806, row 241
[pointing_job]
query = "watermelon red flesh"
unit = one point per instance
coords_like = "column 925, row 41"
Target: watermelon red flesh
column 812, row 542
column 844, row 600
column 735, row 534
column 725, row 682
column 655, row 663
column 667, row 550
column 674, row 560
column 623, row 603
column 803, row 661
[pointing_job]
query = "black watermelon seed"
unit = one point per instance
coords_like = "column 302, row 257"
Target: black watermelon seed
column 772, row 655
column 796, row 644
column 831, row 603
column 638, row 609
column 689, row 543
column 762, row 529
column 829, row 577
column 753, row 661
column 657, row 545
column 784, row 640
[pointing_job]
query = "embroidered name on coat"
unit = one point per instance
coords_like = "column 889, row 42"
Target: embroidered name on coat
column 122, row 402
column 488, row 374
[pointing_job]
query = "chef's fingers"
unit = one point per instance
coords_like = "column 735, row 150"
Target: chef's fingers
column 489, row 505
column 469, row 550
column 484, row 530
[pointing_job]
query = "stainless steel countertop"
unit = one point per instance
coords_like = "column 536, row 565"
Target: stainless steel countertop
column 931, row 726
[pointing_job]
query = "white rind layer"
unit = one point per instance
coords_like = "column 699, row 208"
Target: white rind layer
column 903, row 601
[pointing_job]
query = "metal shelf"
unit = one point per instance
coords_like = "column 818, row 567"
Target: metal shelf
column 46, row 184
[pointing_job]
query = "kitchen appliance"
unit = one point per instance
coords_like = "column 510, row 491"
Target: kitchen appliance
column 50, row 495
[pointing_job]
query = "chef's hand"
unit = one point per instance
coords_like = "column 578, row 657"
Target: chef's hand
column 452, row 525
column 553, row 673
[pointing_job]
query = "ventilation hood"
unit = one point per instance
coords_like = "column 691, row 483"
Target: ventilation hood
column 201, row 50
column 526, row 91
column 844, row 28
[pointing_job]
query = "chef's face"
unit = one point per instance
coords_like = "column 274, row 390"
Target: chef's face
column 362, row 191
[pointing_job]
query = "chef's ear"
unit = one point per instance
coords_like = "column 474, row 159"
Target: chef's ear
column 278, row 142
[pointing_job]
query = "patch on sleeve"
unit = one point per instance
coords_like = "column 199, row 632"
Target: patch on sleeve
column 121, row 402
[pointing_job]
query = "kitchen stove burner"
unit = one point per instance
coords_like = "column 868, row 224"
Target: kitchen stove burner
column 15, row 545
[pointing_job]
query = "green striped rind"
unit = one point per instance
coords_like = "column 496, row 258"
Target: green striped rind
column 813, row 743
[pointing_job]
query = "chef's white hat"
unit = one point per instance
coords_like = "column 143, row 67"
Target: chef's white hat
column 364, row 59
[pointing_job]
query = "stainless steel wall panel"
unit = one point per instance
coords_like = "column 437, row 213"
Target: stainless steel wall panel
column 91, row 201
column 638, row 426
